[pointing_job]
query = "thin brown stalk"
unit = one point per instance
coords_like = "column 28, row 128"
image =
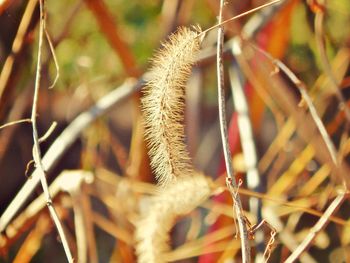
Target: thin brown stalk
column 282, row 137
column 254, row 80
column 253, row 10
column 195, row 250
column 288, row 103
column 111, row 228
column 317, row 228
column 295, row 205
column 169, row 13
column 320, row 43
column 79, row 227
column 245, row 246
column 36, row 151
column 90, row 233
column 108, row 27
column 16, row 113
column 33, row 242
column 335, row 84
column 72, row 14
column 286, row 237
column 313, row 111
column 8, row 70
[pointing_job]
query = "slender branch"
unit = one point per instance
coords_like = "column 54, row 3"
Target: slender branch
column 53, row 53
column 8, row 71
column 320, row 43
column 245, row 246
column 221, row 23
column 303, row 91
column 36, row 147
column 110, row 29
column 14, row 123
column 317, row 228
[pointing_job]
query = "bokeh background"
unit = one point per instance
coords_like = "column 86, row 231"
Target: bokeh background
column 99, row 44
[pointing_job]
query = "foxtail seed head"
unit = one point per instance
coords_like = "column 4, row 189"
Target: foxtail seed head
column 163, row 106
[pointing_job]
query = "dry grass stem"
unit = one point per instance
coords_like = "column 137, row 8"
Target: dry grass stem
column 313, row 111
column 108, row 26
column 33, row 241
column 231, row 180
column 268, row 250
column 253, row 10
column 320, row 43
column 321, row 224
column 36, row 147
column 53, row 53
column 48, row 132
column 14, row 123
column 16, row 48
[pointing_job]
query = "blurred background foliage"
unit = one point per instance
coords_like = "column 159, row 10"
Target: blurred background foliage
column 90, row 67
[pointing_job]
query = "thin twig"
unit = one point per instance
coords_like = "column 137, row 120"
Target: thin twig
column 48, row 133
column 80, row 226
column 33, row 242
column 285, row 236
column 90, row 234
column 303, row 91
column 321, row 224
column 245, row 246
column 320, row 43
column 36, row 147
column 221, row 23
column 9, row 70
column 109, row 27
column 53, row 53
column 268, row 248
column 14, row 123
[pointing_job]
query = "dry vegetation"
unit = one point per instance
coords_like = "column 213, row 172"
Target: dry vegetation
column 229, row 145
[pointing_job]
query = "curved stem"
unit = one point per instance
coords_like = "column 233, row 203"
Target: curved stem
column 230, row 179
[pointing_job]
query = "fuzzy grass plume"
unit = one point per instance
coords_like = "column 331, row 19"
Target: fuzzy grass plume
column 163, row 106
column 179, row 198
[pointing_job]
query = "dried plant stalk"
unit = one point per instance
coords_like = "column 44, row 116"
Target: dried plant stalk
column 178, row 198
column 36, row 148
column 321, row 224
column 163, row 106
column 230, row 178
